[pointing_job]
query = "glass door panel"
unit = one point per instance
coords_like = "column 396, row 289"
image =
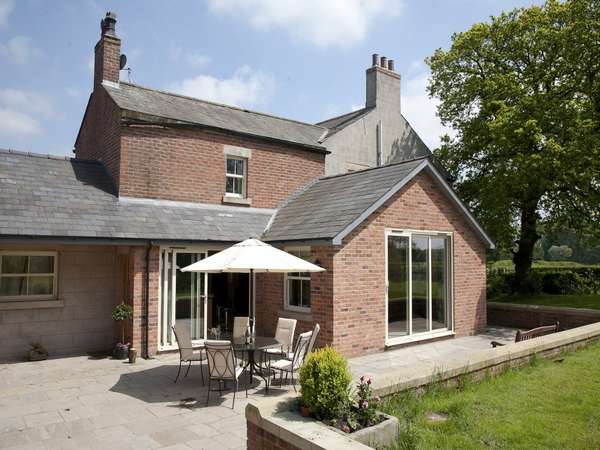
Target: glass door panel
column 183, row 295
column 420, row 284
column 439, row 282
column 398, row 286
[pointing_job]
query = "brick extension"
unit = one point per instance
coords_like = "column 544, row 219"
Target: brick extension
column 348, row 300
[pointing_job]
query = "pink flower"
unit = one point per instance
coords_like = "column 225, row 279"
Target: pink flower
column 365, row 405
column 369, row 381
column 377, row 398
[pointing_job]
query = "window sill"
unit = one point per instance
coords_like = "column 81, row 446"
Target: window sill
column 391, row 343
column 305, row 316
column 232, row 200
column 33, row 304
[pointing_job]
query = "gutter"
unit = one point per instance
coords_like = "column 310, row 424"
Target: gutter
column 147, row 302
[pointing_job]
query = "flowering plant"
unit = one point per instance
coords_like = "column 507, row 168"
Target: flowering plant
column 122, row 345
column 366, row 403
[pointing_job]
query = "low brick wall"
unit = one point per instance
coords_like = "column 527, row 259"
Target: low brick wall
column 274, row 425
column 532, row 316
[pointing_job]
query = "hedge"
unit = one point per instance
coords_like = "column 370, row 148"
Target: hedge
column 579, row 280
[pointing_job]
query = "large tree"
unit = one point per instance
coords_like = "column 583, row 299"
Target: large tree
column 522, row 92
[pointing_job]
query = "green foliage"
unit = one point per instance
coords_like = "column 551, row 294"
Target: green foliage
column 554, row 281
column 122, row 312
column 325, row 383
column 559, row 252
column 522, row 92
column 542, row 406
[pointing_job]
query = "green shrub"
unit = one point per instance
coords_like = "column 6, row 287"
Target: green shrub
column 555, row 281
column 325, row 383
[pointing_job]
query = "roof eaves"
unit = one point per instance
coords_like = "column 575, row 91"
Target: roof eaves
column 426, row 164
column 168, row 122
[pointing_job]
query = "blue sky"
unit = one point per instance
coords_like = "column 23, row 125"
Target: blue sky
column 302, row 59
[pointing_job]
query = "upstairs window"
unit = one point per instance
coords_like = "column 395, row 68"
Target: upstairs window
column 236, row 177
column 27, row 275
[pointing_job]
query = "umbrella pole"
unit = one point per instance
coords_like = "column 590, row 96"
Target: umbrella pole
column 253, row 303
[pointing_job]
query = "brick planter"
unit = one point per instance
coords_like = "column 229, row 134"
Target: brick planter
column 532, row 316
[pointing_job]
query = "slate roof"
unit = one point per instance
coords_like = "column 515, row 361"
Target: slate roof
column 340, row 122
column 188, row 110
column 45, row 196
column 330, row 208
column 327, row 206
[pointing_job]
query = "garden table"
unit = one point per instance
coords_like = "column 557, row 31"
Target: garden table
column 257, row 344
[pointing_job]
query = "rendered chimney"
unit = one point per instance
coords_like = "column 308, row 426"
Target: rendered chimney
column 375, row 60
column 107, row 52
column 383, row 85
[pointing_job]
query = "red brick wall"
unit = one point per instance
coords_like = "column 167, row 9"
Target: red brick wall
column 189, row 165
column 359, row 267
column 100, row 134
column 270, row 300
column 527, row 317
column 107, row 54
column 137, row 287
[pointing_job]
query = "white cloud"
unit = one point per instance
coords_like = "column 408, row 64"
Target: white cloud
column 18, row 49
column 192, row 58
column 17, row 123
column 20, row 112
column 339, row 23
column 245, row 88
column 6, row 7
column 420, row 110
column 72, row 91
column 26, row 101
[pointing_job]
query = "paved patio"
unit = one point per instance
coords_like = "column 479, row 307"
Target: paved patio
column 85, row 402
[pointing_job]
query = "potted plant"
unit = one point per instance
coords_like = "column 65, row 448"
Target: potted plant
column 37, row 352
column 325, row 393
column 121, row 313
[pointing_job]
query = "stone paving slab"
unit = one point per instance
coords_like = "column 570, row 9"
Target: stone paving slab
column 83, row 402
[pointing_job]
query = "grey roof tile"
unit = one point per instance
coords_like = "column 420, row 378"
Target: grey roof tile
column 190, row 110
column 326, row 207
column 54, row 197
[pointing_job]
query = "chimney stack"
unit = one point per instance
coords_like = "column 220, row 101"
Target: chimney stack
column 107, row 52
column 383, row 84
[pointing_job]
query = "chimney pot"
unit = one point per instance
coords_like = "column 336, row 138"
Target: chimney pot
column 384, row 62
column 107, row 25
column 375, row 59
column 391, row 64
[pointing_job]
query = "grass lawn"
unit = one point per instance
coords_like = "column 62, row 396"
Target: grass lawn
column 591, row 301
column 547, row 405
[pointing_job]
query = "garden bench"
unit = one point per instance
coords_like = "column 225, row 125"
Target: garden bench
column 531, row 334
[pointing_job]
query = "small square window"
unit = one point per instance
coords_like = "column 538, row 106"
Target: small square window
column 297, row 293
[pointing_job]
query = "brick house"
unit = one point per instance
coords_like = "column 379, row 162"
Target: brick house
column 160, row 181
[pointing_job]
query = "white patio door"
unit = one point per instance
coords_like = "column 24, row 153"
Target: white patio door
column 419, row 293
column 182, row 295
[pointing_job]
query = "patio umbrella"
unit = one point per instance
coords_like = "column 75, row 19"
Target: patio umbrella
column 251, row 256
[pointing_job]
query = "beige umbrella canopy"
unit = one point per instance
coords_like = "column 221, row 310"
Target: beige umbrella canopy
column 252, row 256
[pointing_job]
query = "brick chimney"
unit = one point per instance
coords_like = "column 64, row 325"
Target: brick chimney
column 383, row 84
column 107, row 52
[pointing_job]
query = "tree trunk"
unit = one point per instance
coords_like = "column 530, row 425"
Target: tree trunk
column 523, row 257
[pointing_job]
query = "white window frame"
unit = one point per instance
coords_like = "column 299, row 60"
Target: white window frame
column 448, row 331
column 287, row 277
column 236, row 176
column 26, row 298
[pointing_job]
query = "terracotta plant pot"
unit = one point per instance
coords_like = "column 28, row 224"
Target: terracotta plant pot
column 132, row 355
column 305, row 411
